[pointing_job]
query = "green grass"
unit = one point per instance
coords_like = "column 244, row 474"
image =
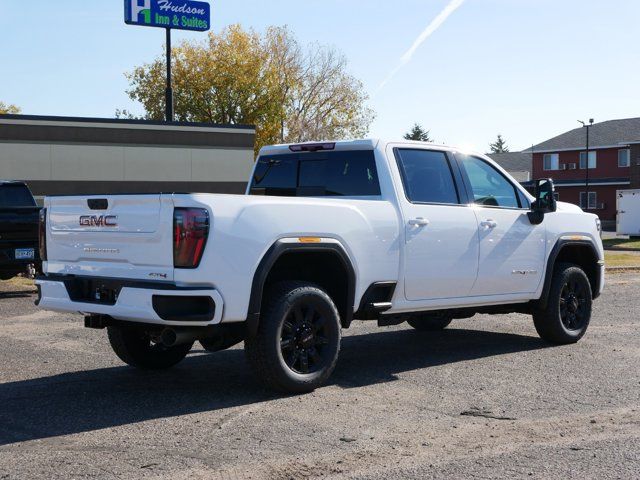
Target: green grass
column 615, row 259
column 621, row 243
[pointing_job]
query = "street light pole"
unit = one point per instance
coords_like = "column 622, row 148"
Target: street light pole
column 587, row 126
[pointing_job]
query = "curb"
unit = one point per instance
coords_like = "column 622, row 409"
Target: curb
column 618, row 249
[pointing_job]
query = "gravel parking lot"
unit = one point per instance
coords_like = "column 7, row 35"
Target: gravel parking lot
column 483, row 399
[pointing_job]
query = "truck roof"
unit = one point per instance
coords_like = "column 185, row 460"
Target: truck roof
column 358, row 144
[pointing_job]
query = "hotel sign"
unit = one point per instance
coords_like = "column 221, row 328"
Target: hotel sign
column 174, row 14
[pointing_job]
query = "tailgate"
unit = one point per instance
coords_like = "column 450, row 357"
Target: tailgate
column 124, row 236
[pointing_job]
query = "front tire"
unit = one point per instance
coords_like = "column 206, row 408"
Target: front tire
column 568, row 312
column 298, row 340
column 430, row 322
column 134, row 347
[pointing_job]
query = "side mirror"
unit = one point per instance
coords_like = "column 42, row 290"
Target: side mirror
column 545, row 201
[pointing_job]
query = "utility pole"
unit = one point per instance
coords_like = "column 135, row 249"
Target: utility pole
column 169, row 91
column 587, row 126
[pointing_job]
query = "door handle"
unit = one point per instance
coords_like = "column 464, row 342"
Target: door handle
column 419, row 222
column 489, row 223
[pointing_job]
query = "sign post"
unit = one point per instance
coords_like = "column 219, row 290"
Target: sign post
column 168, row 14
column 168, row 94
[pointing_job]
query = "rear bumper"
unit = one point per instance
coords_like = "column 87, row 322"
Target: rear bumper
column 162, row 304
column 8, row 261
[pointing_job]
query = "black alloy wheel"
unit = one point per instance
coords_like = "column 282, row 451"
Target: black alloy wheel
column 573, row 301
column 303, row 340
column 565, row 316
column 296, row 347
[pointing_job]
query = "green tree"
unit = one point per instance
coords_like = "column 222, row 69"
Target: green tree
column 418, row 133
column 237, row 76
column 8, row 108
column 499, row 146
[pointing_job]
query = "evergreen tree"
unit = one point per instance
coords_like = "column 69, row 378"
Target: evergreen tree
column 499, row 146
column 418, row 133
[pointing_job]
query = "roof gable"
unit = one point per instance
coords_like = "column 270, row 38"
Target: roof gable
column 603, row 134
column 513, row 161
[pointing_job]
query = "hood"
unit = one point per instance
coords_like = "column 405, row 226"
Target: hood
column 568, row 207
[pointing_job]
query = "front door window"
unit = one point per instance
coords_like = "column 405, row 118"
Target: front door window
column 489, row 187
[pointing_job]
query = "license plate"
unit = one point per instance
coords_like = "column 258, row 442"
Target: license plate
column 24, row 253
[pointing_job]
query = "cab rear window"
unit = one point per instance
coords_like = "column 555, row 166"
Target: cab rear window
column 317, row 174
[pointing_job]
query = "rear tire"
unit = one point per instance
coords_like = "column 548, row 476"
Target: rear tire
column 134, row 347
column 298, row 340
column 429, row 322
column 568, row 312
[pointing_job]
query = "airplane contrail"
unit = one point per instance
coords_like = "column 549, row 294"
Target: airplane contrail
column 426, row 33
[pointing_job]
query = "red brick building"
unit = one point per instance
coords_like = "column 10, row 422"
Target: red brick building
column 614, row 152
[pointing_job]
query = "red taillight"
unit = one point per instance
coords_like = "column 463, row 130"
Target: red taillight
column 190, row 232
column 42, row 234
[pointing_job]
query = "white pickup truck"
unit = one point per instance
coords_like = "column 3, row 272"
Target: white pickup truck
column 326, row 233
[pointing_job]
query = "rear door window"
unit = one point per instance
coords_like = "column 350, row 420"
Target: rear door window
column 427, row 176
column 15, row 196
column 317, row 174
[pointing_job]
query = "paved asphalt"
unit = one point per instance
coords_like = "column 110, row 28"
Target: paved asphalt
column 483, row 399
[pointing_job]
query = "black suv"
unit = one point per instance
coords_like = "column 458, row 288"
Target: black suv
column 18, row 229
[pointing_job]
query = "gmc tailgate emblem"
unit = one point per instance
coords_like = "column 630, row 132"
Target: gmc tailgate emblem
column 98, row 221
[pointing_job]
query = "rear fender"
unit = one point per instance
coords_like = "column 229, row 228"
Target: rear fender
column 275, row 252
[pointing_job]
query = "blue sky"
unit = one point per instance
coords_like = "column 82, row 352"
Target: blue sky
column 525, row 68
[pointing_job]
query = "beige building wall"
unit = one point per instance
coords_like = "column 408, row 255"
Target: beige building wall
column 71, row 156
column 24, row 161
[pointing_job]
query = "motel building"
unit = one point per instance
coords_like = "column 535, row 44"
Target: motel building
column 614, row 164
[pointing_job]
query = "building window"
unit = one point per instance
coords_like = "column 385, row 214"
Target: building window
column 593, row 200
column 551, row 161
column 592, row 159
column 623, row 157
